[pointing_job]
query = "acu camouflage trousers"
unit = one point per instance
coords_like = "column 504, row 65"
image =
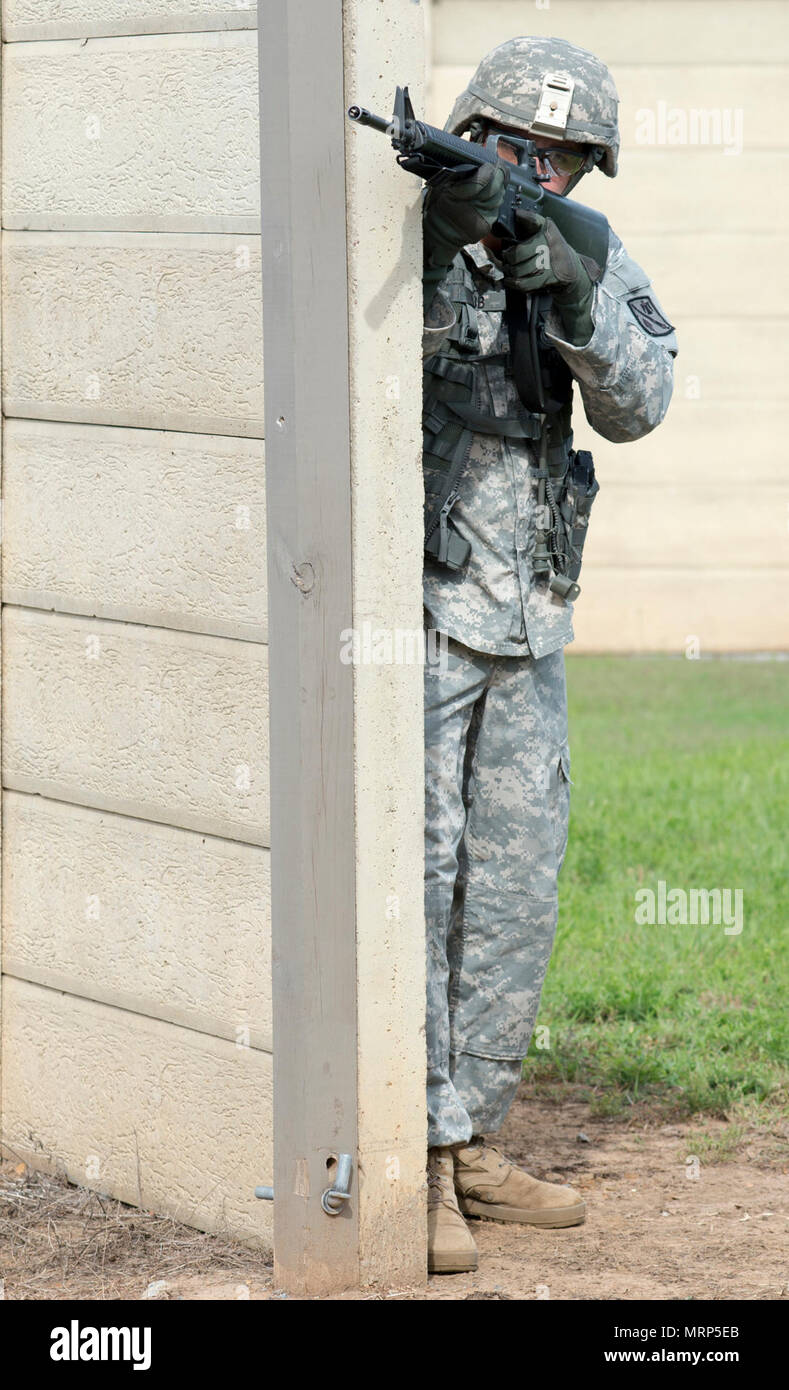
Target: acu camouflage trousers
column 497, row 806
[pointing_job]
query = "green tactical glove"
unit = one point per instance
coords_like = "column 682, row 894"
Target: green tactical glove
column 460, row 207
column 546, row 262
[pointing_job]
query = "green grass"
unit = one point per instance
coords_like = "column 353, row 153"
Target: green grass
column 680, row 773
column 715, row 1148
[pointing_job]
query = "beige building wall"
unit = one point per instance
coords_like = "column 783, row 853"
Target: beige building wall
column 136, row 1003
column 690, row 532
column 136, row 1009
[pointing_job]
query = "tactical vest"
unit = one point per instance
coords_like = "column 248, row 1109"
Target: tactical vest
column 451, row 413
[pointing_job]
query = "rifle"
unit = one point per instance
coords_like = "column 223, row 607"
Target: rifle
column 424, row 149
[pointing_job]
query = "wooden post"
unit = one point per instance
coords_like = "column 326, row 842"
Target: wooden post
column 346, row 752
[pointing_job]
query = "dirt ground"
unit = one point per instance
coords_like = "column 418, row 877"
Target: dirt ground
column 696, row 1210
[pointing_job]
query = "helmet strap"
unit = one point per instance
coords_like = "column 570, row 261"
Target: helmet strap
column 573, row 180
column 594, row 157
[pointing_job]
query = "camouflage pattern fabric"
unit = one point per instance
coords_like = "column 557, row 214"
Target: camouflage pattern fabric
column 497, row 773
column 490, row 887
column 506, row 88
column 496, row 754
column 625, row 377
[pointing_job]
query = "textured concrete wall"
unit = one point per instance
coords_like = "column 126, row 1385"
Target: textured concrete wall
column 163, row 331
column 66, row 19
column 143, row 916
column 145, row 721
column 121, row 133
column 689, row 534
column 149, row 526
column 166, row 1118
column 137, row 1013
column 137, row 1003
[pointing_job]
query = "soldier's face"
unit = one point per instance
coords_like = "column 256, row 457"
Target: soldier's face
column 557, row 182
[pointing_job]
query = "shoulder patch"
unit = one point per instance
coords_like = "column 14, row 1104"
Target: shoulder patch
column 649, row 317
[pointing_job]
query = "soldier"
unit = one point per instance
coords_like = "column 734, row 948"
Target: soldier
column 504, row 488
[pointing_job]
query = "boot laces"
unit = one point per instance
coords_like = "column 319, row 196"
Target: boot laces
column 440, row 1191
column 488, row 1160
column 482, row 1145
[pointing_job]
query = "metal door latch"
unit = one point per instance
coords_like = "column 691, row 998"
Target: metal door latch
column 333, row 1198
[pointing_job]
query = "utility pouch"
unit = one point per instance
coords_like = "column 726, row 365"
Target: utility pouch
column 576, row 503
column 445, row 544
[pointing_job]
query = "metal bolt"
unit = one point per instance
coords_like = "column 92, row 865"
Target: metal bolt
column 332, row 1199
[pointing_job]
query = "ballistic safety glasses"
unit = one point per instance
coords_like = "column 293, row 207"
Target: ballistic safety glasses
column 563, row 161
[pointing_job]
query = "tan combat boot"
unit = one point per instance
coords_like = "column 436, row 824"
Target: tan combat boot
column 450, row 1244
column 487, row 1184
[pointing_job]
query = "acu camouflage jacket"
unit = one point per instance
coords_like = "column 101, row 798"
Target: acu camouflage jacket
column 625, row 376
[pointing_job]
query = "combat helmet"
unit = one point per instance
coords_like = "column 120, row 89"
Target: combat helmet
column 548, row 86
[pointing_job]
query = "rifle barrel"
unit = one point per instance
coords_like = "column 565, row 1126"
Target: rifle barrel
column 364, row 117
